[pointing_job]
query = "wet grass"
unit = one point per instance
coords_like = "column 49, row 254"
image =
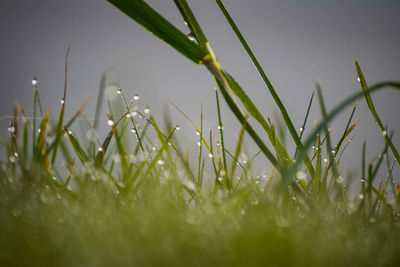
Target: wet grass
column 71, row 200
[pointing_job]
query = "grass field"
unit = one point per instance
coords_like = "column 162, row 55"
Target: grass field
column 71, row 200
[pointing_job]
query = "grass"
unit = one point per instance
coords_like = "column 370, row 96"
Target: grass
column 150, row 204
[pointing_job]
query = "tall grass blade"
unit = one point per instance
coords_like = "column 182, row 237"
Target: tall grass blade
column 374, row 113
column 271, row 89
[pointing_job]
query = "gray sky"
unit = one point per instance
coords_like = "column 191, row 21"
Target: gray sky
column 298, row 43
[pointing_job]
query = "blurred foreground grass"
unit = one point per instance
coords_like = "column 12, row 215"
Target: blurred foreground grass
column 135, row 198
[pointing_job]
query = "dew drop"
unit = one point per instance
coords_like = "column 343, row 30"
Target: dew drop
column 177, row 128
column 133, row 130
column 128, row 115
column 11, row 129
column 301, row 129
column 34, row 81
column 110, row 123
column 358, row 79
column 136, row 97
column 300, row 175
column 210, row 155
column 146, row 110
column 198, row 143
column 220, row 127
column 384, row 133
column 119, row 91
column 220, row 179
column 191, row 37
column 340, row 180
column 100, row 149
column 62, row 101
column 134, row 114
column 197, row 133
column 160, row 162
column 325, row 160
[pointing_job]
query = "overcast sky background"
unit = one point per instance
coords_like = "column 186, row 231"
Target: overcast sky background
column 298, row 43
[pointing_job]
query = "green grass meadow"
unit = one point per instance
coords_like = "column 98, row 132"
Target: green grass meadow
column 67, row 201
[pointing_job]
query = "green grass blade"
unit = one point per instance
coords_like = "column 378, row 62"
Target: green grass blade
column 374, row 113
column 146, row 16
column 347, row 130
column 192, row 23
column 256, row 114
column 239, row 115
column 271, row 89
column 221, row 133
column 61, row 116
column 237, row 151
column 79, row 151
column 303, row 126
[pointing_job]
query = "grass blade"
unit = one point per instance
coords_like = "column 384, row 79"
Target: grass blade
column 146, row 16
column 371, row 107
column 271, row 89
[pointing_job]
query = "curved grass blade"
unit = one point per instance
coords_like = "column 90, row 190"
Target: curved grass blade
column 146, row 16
column 371, row 107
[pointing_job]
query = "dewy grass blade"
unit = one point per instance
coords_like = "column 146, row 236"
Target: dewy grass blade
column 192, row 23
column 143, row 14
column 271, row 89
column 221, row 133
column 303, row 126
column 374, row 113
column 347, row 130
column 61, row 116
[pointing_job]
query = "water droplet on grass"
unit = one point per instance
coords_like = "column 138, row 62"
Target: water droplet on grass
column 100, row 149
column 133, row 130
column 136, row 97
column 210, row 155
column 160, row 162
column 62, row 101
column 110, row 123
column 147, row 110
column 34, row 81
